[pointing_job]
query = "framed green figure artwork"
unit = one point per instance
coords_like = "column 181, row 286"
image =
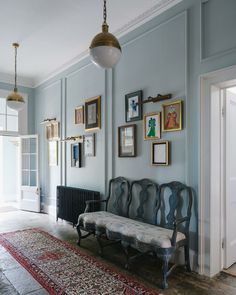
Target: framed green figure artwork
column 152, row 125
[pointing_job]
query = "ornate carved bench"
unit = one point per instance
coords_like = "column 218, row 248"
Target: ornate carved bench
column 150, row 218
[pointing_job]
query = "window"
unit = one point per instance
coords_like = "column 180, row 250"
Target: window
column 8, row 117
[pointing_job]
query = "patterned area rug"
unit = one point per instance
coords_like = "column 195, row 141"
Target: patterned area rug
column 63, row 269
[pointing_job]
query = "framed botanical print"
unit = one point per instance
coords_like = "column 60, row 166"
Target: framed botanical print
column 152, row 125
column 172, row 116
column 89, row 145
column 127, row 141
column 93, row 113
column 76, row 152
column 79, row 115
column 160, row 153
column 133, row 106
column 53, row 153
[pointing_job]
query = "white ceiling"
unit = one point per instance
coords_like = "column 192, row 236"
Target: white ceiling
column 54, row 34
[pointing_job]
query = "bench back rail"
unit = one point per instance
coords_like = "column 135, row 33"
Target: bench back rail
column 143, row 201
column 118, row 197
column 175, row 205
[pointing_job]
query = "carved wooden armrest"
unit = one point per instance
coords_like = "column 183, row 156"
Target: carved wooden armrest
column 89, row 202
column 177, row 222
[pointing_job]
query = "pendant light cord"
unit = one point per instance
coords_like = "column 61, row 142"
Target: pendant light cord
column 15, row 69
column 105, row 12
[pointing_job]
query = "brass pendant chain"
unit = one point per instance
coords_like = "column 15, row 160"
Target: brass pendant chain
column 105, row 12
column 15, row 68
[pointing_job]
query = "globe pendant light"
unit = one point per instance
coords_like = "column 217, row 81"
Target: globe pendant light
column 15, row 101
column 105, row 50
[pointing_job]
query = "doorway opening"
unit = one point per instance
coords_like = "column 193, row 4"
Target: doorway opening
column 9, row 171
column 217, row 200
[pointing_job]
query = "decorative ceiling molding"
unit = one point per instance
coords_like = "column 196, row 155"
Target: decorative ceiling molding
column 156, row 10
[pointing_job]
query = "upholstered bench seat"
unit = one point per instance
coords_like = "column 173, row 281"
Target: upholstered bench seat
column 149, row 218
column 125, row 228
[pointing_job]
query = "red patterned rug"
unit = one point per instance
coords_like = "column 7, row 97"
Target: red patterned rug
column 63, row 269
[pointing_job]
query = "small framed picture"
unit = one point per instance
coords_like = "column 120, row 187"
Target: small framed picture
column 53, row 131
column 53, row 153
column 93, row 113
column 89, row 145
column 79, row 115
column 49, row 131
column 172, row 116
column 152, row 125
column 127, row 141
column 160, row 153
column 76, row 155
column 133, row 106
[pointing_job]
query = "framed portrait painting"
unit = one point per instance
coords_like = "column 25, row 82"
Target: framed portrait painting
column 160, row 153
column 79, row 115
column 127, row 141
column 172, row 116
column 93, row 113
column 89, row 145
column 76, row 160
column 133, row 106
column 152, row 125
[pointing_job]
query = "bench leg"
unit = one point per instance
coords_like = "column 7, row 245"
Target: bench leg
column 126, row 251
column 165, row 267
column 100, row 251
column 79, row 234
column 187, row 260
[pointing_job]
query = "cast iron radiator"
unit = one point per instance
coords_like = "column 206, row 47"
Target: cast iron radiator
column 71, row 202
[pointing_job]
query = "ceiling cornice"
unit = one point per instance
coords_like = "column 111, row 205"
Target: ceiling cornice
column 156, row 10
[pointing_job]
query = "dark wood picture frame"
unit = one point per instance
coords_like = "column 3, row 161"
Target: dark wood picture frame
column 76, row 155
column 133, row 106
column 124, row 142
column 93, row 113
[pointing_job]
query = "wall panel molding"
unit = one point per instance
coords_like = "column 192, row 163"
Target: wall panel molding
column 203, row 56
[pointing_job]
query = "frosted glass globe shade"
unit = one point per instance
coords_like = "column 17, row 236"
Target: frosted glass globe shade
column 15, row 105
column 105, row 56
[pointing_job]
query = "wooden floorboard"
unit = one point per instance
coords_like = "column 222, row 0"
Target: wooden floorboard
column 146, row 269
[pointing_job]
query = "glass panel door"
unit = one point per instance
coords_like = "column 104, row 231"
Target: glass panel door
column 30, row 199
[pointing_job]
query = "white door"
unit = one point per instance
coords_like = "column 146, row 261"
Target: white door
column 29, row 196
column 230, row 157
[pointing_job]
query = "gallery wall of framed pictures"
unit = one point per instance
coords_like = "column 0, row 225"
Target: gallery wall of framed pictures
column 169, row 118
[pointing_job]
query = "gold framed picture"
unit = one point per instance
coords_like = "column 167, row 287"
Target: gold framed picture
column 93, row 113
column 53, row 131
column 79, row 115
column 152, row 125
column 160, row 153
column 172, row 116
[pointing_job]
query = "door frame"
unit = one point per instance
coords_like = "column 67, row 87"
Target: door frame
column 211, row 228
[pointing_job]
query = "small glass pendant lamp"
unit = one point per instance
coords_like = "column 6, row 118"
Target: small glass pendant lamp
column 105, row 50
column 15, row 101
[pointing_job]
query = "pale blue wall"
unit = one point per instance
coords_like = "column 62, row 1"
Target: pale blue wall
column 165, row 55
